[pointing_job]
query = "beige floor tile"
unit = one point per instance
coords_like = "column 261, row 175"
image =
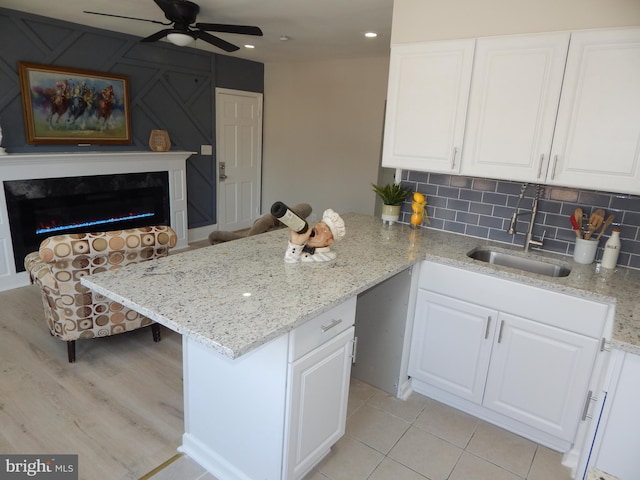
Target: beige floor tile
column 505, row 449
column 390, row 470
column 184, row 467
column 349, row 459
column 376, row 428
column 471, row 467
column 426, row 454
column 547, row 464
column 447, row 423
column 359, row 393
column 406, row 409
column 315, row 475
column 206, row 476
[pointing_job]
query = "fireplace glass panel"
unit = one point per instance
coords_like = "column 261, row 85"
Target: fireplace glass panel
column 41, row 208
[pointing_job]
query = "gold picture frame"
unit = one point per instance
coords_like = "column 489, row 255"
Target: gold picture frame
column 68, row 105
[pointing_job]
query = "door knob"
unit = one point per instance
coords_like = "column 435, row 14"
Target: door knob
column 222, row 176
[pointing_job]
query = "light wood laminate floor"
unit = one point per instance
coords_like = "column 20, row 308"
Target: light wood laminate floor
column 119, row 407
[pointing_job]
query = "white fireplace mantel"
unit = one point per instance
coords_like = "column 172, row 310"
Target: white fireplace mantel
column 76, row 164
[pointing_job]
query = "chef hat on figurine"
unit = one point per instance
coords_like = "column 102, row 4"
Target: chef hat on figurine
column 335, row 224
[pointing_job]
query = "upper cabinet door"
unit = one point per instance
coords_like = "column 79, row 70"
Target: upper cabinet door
column 427, row 104
column 597, row 139
column 513, row 105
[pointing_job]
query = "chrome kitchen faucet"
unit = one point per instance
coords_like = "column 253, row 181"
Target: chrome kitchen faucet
column 529, row 240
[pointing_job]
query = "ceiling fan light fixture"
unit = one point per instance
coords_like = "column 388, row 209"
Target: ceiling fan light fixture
column 180, row 39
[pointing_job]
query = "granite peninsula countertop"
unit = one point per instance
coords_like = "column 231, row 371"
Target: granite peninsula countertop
column 236, row 296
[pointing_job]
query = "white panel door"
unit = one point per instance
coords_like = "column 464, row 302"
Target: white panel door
column 426, row 105
column 597, row 139
column 451, row 344
column 540, row 375
column 239, row 157
column 513, row 104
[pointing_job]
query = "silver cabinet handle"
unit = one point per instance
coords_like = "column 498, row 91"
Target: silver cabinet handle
column 555, row 164
column 500, row 332
column 354, row 352
column 540, row 166
column 486, row 333
column 333, row 323
column 453, row 159
column 585, row 410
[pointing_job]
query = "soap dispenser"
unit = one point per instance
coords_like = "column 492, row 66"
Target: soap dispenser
column 611, row 250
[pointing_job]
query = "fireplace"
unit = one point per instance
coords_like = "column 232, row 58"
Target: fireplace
column 83, row 168
column 39, row 208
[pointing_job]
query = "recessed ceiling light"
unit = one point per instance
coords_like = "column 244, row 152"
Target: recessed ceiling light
column 371, row 34
column 284, row 38
column 249, row 46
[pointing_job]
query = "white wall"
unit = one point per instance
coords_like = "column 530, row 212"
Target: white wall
column 323, row 125
column 424, row 20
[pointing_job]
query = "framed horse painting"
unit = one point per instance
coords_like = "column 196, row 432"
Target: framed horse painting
column 67, row 105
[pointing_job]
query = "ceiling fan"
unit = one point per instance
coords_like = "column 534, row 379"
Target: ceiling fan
column 182, row 17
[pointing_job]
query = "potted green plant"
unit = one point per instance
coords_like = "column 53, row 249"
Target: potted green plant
column 392, row 196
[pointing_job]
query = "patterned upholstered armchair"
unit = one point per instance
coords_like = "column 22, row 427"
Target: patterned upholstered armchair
column 74, row 312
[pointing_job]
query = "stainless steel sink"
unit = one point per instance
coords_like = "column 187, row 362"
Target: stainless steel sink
column 519, row 263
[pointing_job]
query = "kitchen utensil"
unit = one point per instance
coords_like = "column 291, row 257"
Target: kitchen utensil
column 576, row 227
column 605, row 225
column 595, row 221
column 578, row 216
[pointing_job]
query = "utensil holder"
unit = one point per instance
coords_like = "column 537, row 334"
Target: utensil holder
column 585, row 251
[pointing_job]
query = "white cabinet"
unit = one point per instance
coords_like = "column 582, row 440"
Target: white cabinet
column 451, row 344
column 274, row 412
column 426, row 105
column 319, row 391
column 320, row 357
column 512, row 105
column 539, row 374
column 559, row 108
column 515, row 355
column 617, row 443
column 597, row 139
column 548, row 109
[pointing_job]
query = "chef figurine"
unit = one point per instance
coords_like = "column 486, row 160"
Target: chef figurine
column 313, row 245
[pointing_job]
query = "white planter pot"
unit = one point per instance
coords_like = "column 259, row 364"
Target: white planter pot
column 390, row 213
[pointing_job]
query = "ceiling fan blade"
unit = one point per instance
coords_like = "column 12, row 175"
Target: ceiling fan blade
column 130, row 18
column 224, row 28
column 215, row 41
column 158, row 35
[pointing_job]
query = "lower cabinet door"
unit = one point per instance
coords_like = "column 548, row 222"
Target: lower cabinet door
column 451, row 344
column 540, row 375
column 317, row 403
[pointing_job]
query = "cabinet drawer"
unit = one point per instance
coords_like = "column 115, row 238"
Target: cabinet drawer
column 546, row 306
column 321, row 328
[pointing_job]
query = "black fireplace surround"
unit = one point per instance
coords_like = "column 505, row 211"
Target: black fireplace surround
column 40, row 208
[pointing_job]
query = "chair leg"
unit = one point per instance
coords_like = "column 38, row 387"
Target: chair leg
column 71, row 350
column 155, row 330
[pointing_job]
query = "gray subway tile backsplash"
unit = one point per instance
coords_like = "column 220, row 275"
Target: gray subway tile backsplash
column 482, row 208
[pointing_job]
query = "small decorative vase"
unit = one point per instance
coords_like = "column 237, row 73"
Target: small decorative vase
column 390, row 213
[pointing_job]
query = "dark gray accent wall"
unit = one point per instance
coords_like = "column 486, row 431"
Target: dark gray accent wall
column 171, row 88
